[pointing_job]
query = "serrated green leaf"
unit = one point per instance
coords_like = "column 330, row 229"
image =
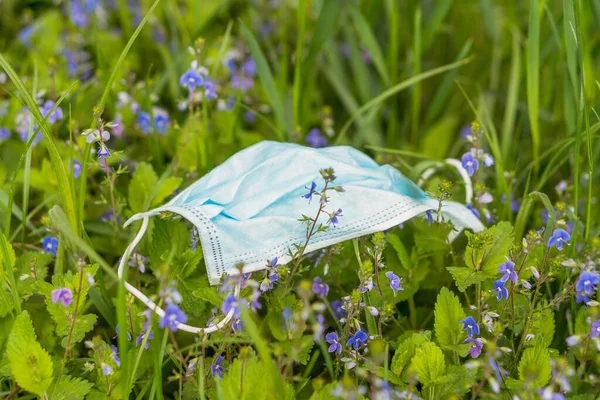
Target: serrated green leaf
column 69, row 388
column 142, row 184
column 209, row 294
column 490, row 257
column 542, row 326
column 401, row 251
column 166, row 189
column 183, row 265
column 432, row 240
column 429, row 363
column 191, row 304
column 245, row 379
column 465, row 277
column 406, row 351
column 456, row 381
column 30, row 364
column 448, row 314
column 534, row 367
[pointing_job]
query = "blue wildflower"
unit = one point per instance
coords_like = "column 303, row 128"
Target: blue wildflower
column 394, row 281
column 118, row 331
column 470, row 163
column 4, row 133
column 249, row 67
column 25, row 35
column 62, row 295
column 191, row 79
column 334, row 343
column 476, row 346
column 140, row 339
column 237, row 325
column 429, row 214
column 587, row 282
column 501, row 291
column 173, row 317
column 144, row 121
column 358, row 340
column 311, row 191
column 250, row 116
column 316, row 139
column 319, row 288
column 333, row 217
column 106, row 369
column 115, row 355
column 559, row 237
column 287, row 318
column 210, row 89
column 56, row 114
column 508, row 269
column 474, row 211
column 216, row 369
column 232, row 303
column 50, row 245
column 595, row 332
column 103, row 152
column 470, row 326
column 338, row 309
column 76, row 169
column 161, row 121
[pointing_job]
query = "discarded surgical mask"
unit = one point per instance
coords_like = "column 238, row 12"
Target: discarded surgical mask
column 247, row 209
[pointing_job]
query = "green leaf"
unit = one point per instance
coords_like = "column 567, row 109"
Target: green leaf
column 30, row 364
column 488, row 258
column 210, row 295
column 183, row 265
column 429, row 363
column 370, row 42
column 542, row 327
column 534, row 367
column 69, row 388
column 169, row 186
column 465, row 277
column 406, row 351
column 401, row 251
column 245, row 379
column 433, row 239
column 192, row 305
column 448, row 314
column 456, row 381
column 142, row 184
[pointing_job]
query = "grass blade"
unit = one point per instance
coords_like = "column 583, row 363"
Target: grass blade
column 266, row 77
column 533, row 77
column 395, row 89
column 510, row 113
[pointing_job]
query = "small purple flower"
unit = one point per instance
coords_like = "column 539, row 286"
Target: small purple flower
column 254, row 303
column 62, row 295
column 249, row 67
column 501, row 291
column 173, row 317
column 338, row 310
column 76, row 169
column 115, row 355
column 476, row 346
column 191, row 79
column 581, row 298
column 237, row 325
column 287, row 318
column 508, row 269
column 394, row 281
column 335, row 345
column 316, row 139
column 474, row 211
column 50, row 245
column 587, row 282
column 140, row 339
column 216, row 369
column 311, row 191
column 103, row 152
column 333, row 217
column 470, row 326
column 366, row 286
column 470, row 163
column 559, row 237
column 56, row 114
column 595, row 332
column 4, row 133
column 210, row 89
column 250, row 116
column 232, row 303
column 161, row 120
column 358, row 340
column 144, row 121
column 429, row 214
column 319, row 288
column 118, row 331
column 138, row 261
column 106, row 369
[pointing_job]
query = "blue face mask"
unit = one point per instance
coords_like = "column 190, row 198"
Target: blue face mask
column 247, row 209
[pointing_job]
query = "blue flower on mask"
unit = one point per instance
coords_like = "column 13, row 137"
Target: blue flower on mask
column 333, row 217
column 311, row 191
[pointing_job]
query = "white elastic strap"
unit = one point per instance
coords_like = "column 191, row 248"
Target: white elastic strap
column 461, row 171
column 150, row 304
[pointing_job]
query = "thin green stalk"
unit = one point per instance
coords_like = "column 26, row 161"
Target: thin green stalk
column 302, row 9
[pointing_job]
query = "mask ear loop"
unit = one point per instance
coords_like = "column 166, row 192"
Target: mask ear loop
column 466, row 179
column 150, row 304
